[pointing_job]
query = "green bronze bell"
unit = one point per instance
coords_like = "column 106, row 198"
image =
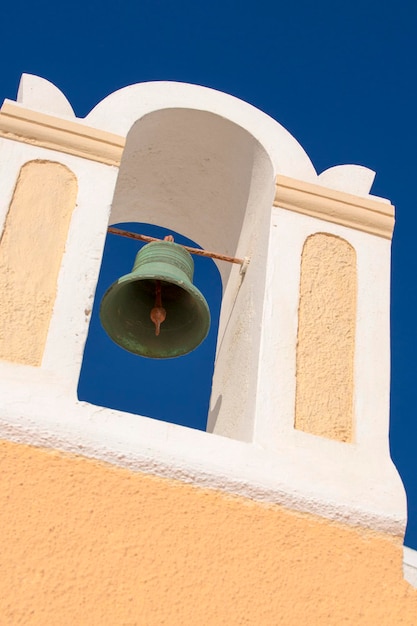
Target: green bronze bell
column 156, row 311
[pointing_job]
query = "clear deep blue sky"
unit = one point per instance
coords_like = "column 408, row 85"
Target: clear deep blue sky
column 341, row 77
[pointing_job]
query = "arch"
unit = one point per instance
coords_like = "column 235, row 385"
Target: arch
column 119, row 111
column 195, row 170
column 206, row 177
column 201, row 175
column 326, row 338
column 31, row 250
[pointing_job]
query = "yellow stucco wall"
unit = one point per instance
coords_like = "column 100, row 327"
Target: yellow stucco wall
column 88, row 544
column 31, row 249
column 326, row 338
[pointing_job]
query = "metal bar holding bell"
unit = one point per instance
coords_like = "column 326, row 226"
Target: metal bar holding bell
column 197, row 251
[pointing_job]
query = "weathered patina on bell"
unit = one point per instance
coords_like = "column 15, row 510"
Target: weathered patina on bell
column 156, row 311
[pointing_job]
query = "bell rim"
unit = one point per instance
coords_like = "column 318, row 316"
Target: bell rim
column 186, row 285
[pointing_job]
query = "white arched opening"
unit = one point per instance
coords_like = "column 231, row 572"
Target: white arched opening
column 210, row 179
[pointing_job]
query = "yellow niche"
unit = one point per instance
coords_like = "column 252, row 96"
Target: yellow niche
column 31, row 250
column 326, row 338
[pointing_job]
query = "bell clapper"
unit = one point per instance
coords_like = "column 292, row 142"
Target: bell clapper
column 158, row 313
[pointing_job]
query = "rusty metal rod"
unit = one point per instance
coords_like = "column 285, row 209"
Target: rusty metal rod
column 210, row 255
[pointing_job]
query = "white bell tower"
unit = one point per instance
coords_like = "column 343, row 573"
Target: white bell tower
column 300, row 398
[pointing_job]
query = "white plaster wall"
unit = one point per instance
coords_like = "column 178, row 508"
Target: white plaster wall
column 361, row 470
column 234, row 393
column 280, row 320
column 39, row 407
column 120, row 110
column 82, row 257
column 356, row 483
column 38, row 94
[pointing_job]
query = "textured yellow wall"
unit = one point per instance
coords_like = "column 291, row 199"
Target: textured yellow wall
column 31, row 250
column 88, row 544
column 326, row 338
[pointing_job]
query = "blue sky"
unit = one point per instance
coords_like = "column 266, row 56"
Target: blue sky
column 339, row 76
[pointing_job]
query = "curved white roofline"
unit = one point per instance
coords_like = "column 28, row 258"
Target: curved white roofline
column 121, row 109
column 39, row 94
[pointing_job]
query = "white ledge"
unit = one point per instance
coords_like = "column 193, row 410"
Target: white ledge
column 365, row 214
column 295, row 476
column 55, row 133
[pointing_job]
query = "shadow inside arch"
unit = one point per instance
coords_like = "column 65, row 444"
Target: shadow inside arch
column 173, row 390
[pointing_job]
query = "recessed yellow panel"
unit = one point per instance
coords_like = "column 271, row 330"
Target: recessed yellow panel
column 326, row 338
column 31, row 250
